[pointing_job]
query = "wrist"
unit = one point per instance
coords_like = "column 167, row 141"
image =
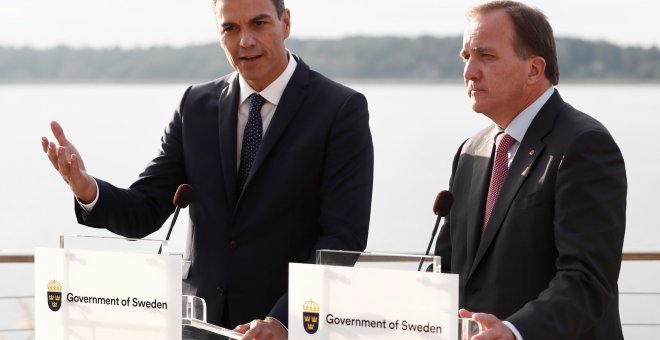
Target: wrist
column 89, row 192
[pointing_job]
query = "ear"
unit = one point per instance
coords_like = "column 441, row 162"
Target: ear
column 536, row 68
column 286, row 22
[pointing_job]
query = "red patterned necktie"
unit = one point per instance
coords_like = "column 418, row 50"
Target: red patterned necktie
column 504, row 142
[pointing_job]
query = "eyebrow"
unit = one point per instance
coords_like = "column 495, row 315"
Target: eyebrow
column 256, row 18
column 477, row 49
column 482, row 49
column 261, row 16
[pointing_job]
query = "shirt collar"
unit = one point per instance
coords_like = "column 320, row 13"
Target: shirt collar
column 519, row 125
column 273, row 92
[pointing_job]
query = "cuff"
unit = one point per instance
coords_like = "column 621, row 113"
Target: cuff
column 87, row 208
column 513, row 329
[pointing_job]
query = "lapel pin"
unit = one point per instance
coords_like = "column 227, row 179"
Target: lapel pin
column 531, row 152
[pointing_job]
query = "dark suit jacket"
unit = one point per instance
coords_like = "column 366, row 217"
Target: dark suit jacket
column 309, row 188
column 549, row 259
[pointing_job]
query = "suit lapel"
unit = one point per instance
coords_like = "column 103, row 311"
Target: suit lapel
column 289, row 105
column 518, row 172
column 227, row 112
column 530, row 148
column 479, row 190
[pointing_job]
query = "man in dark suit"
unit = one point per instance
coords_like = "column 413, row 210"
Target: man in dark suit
column 304, row 185
column 537, row 226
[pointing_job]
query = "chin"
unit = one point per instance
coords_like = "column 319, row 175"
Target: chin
column 475, row 106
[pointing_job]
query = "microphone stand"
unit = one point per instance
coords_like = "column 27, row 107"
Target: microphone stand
column 428, row 249
column 169, row 232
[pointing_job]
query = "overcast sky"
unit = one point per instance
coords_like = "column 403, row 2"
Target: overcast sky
column 143, row 23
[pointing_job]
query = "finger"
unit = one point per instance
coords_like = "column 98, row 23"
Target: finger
column 242, row 328
column 255, row 330
column 52, row 155
column 74, row 169
column 58, row 132
column 499, row 333
column 63, row 164
column 44, row 144
column 80, row 165
column 486, row 335
column 486, row 320
column 464, row 313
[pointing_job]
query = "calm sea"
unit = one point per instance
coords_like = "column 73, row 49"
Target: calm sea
column 416, row 130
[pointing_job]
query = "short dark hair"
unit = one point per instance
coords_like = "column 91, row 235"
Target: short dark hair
column 534, row 35
column 279, row 6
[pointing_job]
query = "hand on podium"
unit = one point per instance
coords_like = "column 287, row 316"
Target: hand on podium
column 493, row 327
column 268, row 329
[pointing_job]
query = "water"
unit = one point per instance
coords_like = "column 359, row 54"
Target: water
column 117, row 130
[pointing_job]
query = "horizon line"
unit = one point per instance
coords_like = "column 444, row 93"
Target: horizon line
column 200, row 43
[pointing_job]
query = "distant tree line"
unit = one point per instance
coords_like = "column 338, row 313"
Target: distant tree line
column 423, row 58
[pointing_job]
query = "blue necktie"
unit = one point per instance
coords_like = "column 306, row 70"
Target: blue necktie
column 251, row 139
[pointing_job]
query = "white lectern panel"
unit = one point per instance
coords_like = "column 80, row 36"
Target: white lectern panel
column 81, row 294
column 333, row 302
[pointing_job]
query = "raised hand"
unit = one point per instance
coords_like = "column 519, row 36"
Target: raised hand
column 67, row 161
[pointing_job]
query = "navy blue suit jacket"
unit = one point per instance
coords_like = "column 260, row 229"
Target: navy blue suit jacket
column 309, row 188
column 549, row 258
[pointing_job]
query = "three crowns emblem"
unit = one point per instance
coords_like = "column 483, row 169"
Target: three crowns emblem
column 311, row 316
column 54, row 295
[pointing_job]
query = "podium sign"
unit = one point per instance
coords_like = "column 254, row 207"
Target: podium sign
column 333, row 302
column 81, row 294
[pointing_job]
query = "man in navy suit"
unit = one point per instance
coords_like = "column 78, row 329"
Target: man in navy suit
column 539, row 255
column 308, row 186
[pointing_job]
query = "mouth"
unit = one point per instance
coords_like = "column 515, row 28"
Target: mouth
column 473, row 91
column 250, row 58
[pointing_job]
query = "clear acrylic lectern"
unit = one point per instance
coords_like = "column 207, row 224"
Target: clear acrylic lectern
column 194, row 325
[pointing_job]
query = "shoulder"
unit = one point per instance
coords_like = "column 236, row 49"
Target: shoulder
column 574, row 121
column 480, row 142
column 566, row 119
column 207, row 93
column 320, row 85
column 213, row 86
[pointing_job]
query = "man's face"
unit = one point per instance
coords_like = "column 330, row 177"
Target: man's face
column 495, row 77
column 253, row 39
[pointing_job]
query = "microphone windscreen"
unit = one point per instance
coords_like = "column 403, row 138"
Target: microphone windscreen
column 443, row 203
column 183, row 196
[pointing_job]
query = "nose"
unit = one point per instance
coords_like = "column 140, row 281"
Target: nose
column 470, row 70
column 247, row 38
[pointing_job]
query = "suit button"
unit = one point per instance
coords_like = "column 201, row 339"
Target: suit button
column 221, row 291
column 233, row 244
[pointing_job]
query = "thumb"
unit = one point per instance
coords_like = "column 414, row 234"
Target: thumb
column 58, row 132
column 242, row 328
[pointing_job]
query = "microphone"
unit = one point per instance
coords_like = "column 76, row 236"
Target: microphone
column 182, row 197
column 441, row 208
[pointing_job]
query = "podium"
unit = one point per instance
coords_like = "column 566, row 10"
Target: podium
column 125, row 291
column 374, row 295
column 136, row 294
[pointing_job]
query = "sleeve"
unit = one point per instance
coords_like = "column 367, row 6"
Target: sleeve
column 142, row 208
